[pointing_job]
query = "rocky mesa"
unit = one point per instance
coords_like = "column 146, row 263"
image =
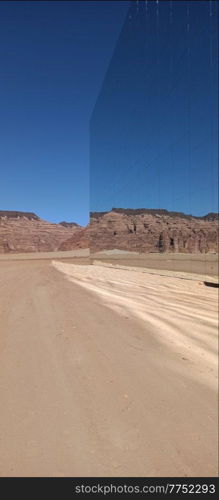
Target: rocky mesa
column 140, row 230
column 26, row 232
column 147, row 230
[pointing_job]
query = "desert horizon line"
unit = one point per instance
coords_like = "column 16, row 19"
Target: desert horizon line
column 96, row 213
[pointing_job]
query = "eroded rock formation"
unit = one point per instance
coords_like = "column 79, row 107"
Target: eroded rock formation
column 145, row 230
column 140, row 230
column 26, row 232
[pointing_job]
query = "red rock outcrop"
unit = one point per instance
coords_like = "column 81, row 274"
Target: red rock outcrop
column 81, row 239
column 26, row 232
column 140, row 230
column 145, row 230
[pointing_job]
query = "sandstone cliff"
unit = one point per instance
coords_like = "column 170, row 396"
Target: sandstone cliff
column 81, row 239
column 145, row 230
column 26, row 232
column 141, row 230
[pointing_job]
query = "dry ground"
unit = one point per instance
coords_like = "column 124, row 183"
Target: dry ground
column 106, row 372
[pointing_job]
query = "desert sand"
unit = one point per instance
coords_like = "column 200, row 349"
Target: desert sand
column 106, row 372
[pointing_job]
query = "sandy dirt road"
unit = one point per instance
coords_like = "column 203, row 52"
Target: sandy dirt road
column 86, row 391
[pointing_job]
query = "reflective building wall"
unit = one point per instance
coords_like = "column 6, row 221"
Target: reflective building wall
column 153, row 130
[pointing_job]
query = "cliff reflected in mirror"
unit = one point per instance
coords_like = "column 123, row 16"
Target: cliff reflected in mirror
column 153, row 133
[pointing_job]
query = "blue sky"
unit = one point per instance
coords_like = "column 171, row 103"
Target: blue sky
column 53, row 58
column 154, row 128
column 65, row 64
